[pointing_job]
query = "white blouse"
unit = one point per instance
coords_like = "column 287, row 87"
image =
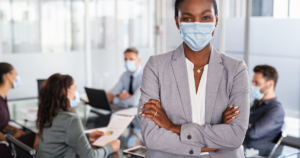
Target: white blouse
column 197, row 99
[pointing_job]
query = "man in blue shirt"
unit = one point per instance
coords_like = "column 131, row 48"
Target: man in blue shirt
column 127, row 91
column 266, row 114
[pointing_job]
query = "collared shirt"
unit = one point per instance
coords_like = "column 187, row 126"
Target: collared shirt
column 123, row 85
column 197, row 99
column 4, row 113
column 266, row 120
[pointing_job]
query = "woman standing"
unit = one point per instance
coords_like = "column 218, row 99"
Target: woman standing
column 186, row 91
column 61, row 131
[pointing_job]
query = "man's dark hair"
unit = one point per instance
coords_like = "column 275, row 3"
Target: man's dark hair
column 269, row 73
column 132, row 49
column 178, row 2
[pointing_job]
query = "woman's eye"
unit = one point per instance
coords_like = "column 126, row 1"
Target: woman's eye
column 206, row 18
column 187, row 19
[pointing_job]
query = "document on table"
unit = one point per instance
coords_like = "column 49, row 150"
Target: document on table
column 128, row 112
column 115, row 128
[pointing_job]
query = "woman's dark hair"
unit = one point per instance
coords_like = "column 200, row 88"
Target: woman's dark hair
column 53, row 96
column 178, row 2
column 4, row 69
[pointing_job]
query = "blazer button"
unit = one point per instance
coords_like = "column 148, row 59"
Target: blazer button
column 191, row 152
column 189, row 137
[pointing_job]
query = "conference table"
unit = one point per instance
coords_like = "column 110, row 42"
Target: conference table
column 23, row 113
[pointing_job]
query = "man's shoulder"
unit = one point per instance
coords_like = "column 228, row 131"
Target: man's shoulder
column 275, row 106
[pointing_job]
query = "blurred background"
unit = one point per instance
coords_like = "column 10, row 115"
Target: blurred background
column 87, row 39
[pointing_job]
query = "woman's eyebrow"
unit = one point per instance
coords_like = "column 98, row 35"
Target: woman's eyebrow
column 186, row 13
column 206, row 11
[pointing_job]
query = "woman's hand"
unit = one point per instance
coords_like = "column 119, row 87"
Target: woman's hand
column 115, row 145
column 154, row 111
column 95, row 135
column 18, row 133
column 230, row 114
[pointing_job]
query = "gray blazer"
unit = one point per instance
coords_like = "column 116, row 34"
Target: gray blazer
column 66, row 138
column 165, row 79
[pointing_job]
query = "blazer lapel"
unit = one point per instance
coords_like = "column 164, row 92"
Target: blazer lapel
column 181, row 76
column 215, row 70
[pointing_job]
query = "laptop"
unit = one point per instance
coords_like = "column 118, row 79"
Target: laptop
column 98, row 99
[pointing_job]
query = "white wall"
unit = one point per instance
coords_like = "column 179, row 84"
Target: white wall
column 33, row 66
column 276, row 42
column 107, row 67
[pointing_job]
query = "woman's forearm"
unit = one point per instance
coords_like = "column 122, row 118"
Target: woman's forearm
column 10, row 128
column 177, row 128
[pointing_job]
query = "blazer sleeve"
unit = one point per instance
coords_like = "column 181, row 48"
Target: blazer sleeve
column 77, row 140
column 225, row 136
column 157, row 138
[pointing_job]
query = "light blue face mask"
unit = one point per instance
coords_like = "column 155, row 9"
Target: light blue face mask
column 197, row 35
column 255, row 92
column 17, row 83
column 74, row 102
column 130, row 65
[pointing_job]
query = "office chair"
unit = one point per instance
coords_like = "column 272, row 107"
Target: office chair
column 277, row 142
column 6, row 145
column 18, row 148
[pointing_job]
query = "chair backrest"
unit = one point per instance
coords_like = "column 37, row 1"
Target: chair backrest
column 19, row 149
column 277, row 142
column 4, row 146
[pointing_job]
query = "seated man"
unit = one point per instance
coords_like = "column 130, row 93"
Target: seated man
column 127, row 91
column 266, row 114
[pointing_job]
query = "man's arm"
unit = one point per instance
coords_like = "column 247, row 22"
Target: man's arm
column 119, row 87
column 224, row 136
column 272, row 119
column 132, row 101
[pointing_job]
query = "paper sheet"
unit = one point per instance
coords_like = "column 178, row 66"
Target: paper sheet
column 128, row 112
column 103, row 129
column 115, row 128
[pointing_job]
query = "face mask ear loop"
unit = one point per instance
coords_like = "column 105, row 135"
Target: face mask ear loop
column 72, row 92
column 266, row 91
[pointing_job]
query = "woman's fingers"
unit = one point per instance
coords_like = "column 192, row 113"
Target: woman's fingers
column 149, row 112
column 233, row 114
column 229, row 120
column 228, row 110
column 150, row 106
column 155, row 102
column 231, row 117
column 231, row 110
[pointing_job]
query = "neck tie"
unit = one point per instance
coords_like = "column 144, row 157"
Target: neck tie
column 130, row 85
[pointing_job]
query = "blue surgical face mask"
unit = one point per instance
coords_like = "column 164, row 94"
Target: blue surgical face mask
column 17, row 83
column 74, row 102
column 130, row 65
column 255, row 92
column 197, row 35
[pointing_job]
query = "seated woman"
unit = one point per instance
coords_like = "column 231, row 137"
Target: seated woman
column 9, row 79
column 61, row 131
